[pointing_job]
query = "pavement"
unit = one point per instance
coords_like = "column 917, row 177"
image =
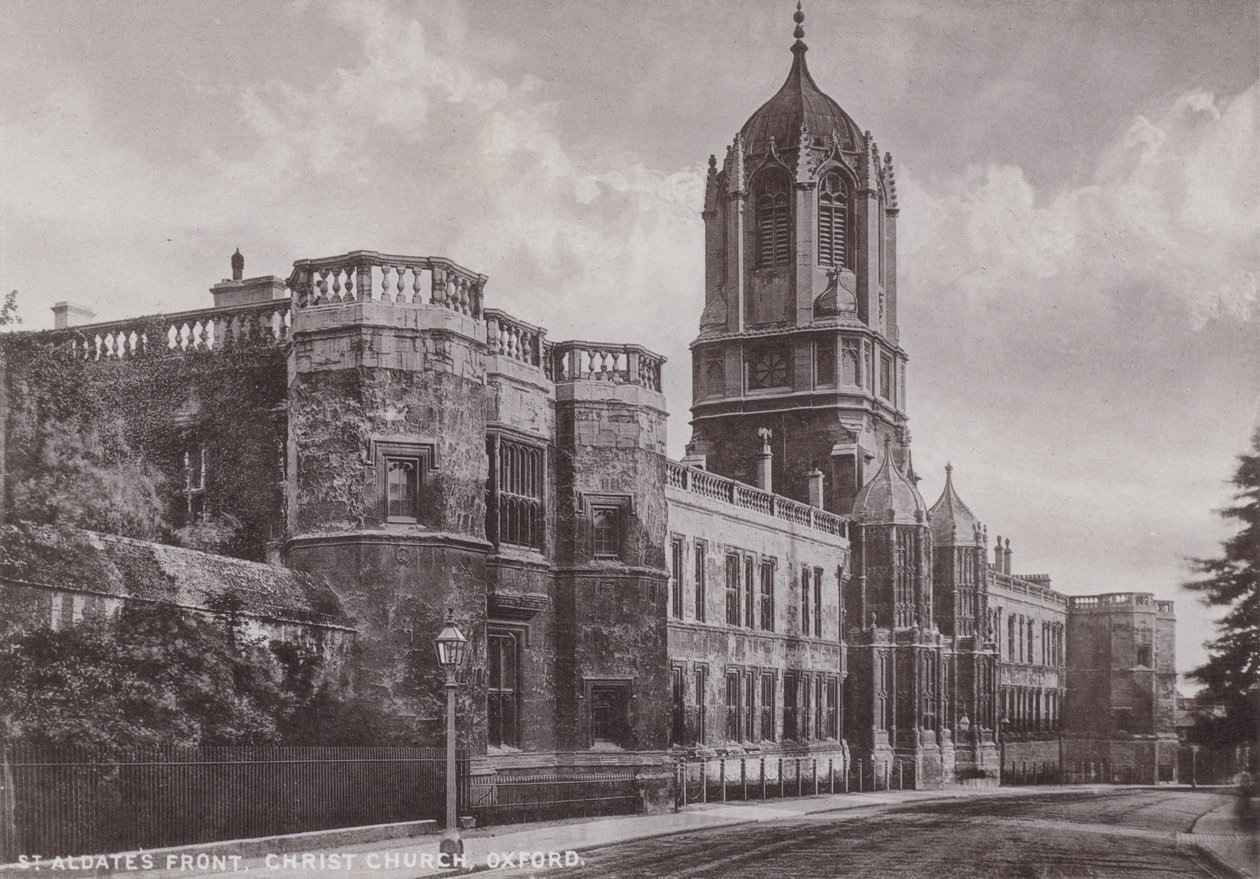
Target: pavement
column 562, row 843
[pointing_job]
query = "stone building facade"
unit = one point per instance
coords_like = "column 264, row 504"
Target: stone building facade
column 784, row 589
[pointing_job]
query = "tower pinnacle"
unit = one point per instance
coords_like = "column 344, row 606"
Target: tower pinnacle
column 799, row 32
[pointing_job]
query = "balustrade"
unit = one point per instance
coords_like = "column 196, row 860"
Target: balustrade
column 719, row 488
column 618, row 364
column 368, row 276
column 508, row 337
column 203, row 330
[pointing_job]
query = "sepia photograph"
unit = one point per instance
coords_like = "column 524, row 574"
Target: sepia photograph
column 630, row 438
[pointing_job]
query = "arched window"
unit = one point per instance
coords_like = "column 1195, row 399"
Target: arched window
column 772, row 221
column 833, row 216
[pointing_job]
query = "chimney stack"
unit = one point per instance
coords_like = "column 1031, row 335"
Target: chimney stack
column 816, row 488
column 238, row 265
column 67, row 314
column 765, row 461
column 997, row 555
column 1006, row 557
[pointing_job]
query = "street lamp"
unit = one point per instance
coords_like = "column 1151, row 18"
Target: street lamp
column 451, row 646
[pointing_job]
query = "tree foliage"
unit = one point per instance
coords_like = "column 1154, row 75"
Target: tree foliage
column 76, row 481
column 154, row 674
column 1232, row 581
column 9, row 310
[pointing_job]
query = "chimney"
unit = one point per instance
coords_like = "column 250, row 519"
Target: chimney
column 1006, row 557
column 816, row 488
column 765, row 461
column 238, row 265
column 997, row 555
column 67, row 314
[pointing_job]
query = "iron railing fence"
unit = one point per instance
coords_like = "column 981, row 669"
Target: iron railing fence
column 72, row 801
column 725, row 779
column 514, row 799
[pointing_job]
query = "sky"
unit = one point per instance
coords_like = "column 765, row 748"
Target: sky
column 1079, row 237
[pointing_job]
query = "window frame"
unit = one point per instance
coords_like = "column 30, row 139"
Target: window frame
column 506, row 475
column 772, row 227
column 767, row 595
column 700, row 567
column 833, row 220
column 511, row 695
column 381, row 452
column 620, row 507
column 678, row 562
column 733, row 575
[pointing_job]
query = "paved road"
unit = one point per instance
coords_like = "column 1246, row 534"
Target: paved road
column 1118, row 834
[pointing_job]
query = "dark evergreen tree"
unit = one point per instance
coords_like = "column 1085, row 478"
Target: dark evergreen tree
column 1232, row 581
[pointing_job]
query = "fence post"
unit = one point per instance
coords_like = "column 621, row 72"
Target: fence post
column 901, row 775
column 704, row 780
column 780, row 778
column 887, row 776
column 831, row 773
column 763, row 777
column 1194, row 769
column 722, row 776
column 798, row 776
column 743, row 778
column 815, row 776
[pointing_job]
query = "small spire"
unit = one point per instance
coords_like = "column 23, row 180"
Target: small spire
column 949, row 468
column 799, row 32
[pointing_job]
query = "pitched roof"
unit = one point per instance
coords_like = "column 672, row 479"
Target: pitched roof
column 953, row 523
column 58, row 557
column 889, row 497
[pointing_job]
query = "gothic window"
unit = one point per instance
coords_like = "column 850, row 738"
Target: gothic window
column 715, row 377
column 833, row 727
column 772, row 221
column 767, row 706
column 750, row 702
column 1030, row 641
column 804, row 601
column 833, row 207
column 678, row 554
column 1010, row 638
column 1144, row 655
column 789, row 705
column 903, row 573
column 849, row 375
column 502, row 690
column 750, row 591
column 885, row 377
column 606, row 531
column 732, row 590
column 818, row 602
column 732, row 706
column 768, row 368
column 677, row 727
column 402, row 479
column 804, row 726
column 699, row 580
column 194, row 482
column 825, row 362
column 767, row 596
column 515, row 499
column 700, row 675
column 609, row 723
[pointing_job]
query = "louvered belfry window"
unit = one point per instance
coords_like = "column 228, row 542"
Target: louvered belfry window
column 772, row 222
column 833, row 207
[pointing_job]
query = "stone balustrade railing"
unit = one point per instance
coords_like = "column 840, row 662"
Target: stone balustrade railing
column 368, row 276
column 731, row 491
column 619, row 364
column 508, row 337
column 1013, row 583
column 1121, row 599
column 209, row 329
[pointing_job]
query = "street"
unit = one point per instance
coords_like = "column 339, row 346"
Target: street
column 1070, row 834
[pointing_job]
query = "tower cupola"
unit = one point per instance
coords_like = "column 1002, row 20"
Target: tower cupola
column 890, row 497
column 953, row 523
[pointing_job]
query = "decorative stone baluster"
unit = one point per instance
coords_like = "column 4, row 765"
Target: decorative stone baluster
column 438, row 296
column 415, row 285
column 400, row 285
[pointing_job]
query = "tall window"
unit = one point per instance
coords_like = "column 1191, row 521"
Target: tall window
column 609, row 723
column 700, row 675
column 767, row 706
column 516, row 492
column 402, row 477
column 817, row 602
column 789, row 705
column 804, row 601
column 750, row 702
column 677, row 726
column 825, row 362
column 885, row 377
column 606, row 531
column 1030, row 640
column 502, row 690
column 1010, row 637
column 750, row 592
column 820, row 709
column 849, row 364
column 767, row 596
column 833, row 205
column 833, row 725
column 732, row 590
column 805, row 724
column 678, row 560
column 772, row 221
column 700, row 598
column 732, row 706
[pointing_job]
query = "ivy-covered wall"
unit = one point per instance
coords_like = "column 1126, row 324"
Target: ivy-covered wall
column 151, row 408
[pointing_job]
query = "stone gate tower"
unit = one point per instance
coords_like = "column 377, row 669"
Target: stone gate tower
column 799, row 329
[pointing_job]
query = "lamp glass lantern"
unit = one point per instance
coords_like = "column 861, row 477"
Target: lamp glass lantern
column 451, row 645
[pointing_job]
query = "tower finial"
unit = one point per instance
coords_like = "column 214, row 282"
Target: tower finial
column 799, row 18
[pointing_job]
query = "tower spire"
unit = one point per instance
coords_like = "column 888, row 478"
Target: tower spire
column 799, row 32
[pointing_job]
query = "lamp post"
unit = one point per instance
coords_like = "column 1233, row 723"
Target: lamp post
column 451, row 646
